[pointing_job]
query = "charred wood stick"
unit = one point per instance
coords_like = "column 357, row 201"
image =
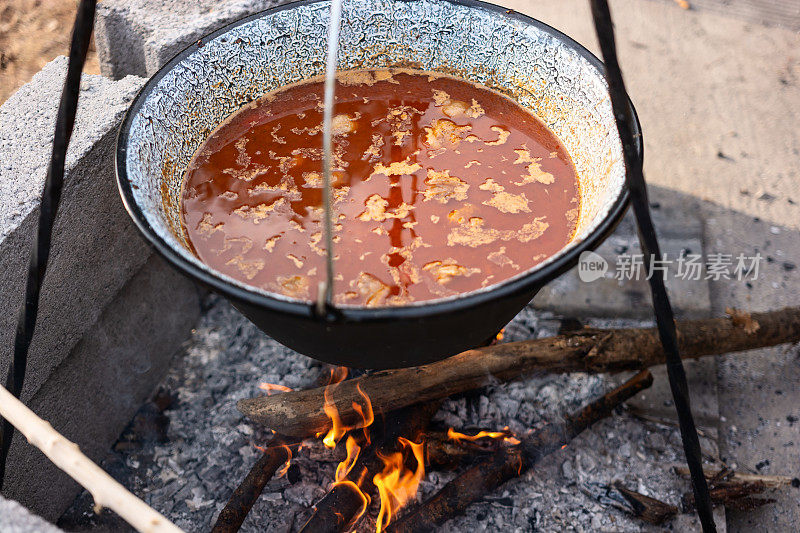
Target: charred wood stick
column 301, row 413
column 725, row 475
column 649, row 509
column 246, row 494
column 337, row 510
column 443, row 452
column 447, row 455
column 620, row 497
column 488, row 474
column 734, row 490
column 344, row 503
column 244, row 497
column 733, row 495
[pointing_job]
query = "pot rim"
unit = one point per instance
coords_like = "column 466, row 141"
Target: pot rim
column 531, row 281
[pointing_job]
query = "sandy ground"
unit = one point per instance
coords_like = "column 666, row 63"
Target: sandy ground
column 32, row 33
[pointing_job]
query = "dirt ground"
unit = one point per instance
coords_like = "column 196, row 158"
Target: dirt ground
column 32, row 33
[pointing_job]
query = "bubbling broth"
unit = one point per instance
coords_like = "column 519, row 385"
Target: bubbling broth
column 440, row 187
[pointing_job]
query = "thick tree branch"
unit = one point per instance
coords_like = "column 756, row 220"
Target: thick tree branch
column 301, row 413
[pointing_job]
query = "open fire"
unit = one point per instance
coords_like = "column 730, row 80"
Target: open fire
column 397, row 482
column 387, row 461
column 396, row 469
column 373, row 479
column 402, row 470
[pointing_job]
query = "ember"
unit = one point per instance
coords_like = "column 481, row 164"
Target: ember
column 272, row 387
column 456, row 436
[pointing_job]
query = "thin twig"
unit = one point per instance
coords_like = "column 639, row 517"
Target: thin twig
column 106, row 491
column 717, row 475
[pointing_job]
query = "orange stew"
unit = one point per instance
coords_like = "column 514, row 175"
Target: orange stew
column 440, row 187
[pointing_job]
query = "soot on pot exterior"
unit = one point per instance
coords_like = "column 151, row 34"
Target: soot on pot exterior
column 182, row 103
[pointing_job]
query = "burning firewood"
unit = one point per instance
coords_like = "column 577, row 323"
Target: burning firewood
column 276, row 455
column 301, row 413
column 346, row 501
column 451, row 449
column 504, row 464
column 246, row 494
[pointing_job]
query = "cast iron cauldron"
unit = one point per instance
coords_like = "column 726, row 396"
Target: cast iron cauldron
column 542, row 69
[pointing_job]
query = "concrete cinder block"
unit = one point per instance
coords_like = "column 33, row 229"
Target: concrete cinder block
column 139, row 37
column 92, row 395
column 95, row 246
column 111, row 312
column 14, row 518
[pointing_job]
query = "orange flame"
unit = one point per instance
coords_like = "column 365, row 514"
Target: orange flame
column 500, row 335
column 338, row 429
column 396, row 484
column 452, row 434
column 344, row 468
column 367, row 416
column 287, row 464
column 365, row 501
column 338, row 374
column 272, row 387
column 285, row 467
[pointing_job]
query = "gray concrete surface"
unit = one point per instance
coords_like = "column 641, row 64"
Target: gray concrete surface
column 139, row 37
column 92, row 395
column 14, row 518
column 95, row 246
column 783, row 13
column 759, row 394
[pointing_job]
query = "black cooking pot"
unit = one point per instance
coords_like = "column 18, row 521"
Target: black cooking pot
column 542, row 69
